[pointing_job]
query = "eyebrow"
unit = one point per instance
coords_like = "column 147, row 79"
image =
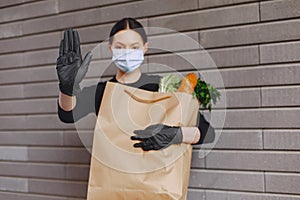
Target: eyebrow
column 131, row 44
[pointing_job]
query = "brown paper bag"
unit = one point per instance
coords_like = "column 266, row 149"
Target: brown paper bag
column 120, row 171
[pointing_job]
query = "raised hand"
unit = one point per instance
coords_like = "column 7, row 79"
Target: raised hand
column 70, row 67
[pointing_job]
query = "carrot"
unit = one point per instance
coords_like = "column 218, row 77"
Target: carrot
column 188, row 83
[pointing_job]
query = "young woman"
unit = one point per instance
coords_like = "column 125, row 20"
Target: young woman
column 126, row 37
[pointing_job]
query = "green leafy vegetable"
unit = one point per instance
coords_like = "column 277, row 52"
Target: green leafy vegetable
column 169, row 83
column 206, row 94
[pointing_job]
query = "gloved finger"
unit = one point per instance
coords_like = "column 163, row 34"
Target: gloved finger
column 137, row 145
column 135, row 137
column 144, row 146
column 66, row 41
column 71, row 41
column 77, row 43
column 158, row 147
column 61, row 48
column 147, row 147
column 138, row 132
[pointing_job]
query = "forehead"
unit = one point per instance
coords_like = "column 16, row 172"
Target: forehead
column 127, row 37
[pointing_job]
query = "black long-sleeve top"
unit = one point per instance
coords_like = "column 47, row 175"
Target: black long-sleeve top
column 89, row 100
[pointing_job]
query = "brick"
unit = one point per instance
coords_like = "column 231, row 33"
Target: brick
column 5, row 3
column 221, row 195
column 11, row 60
column 282, row 9
column 31, row 42
column 281, row 139
column 266, row 75
column 13, row 184
column 237, row 56
column 44, row 73
column 180, row 61
column 208, row 18
column 49, row 170
column 33, row 122
column 281, row 52
column 207, row 3
column 145, row 8
column 173, row 42
column 11, row 30
column 77, row 172
column 282, row 183
column 227, row 180
column 41, row 57
column 38, row 90
column 195, row 194
column 281, row 96
column 198, row 159
column 68, row 5
column 258, row 118
column 250, row 34
column 25, row 196
column 237, row 139
column 45, row 138
column 31, row 10
column 61, row 155
column 32, row 170
column 28, row 106
column 13, row 153
column 11, row 91
column 57, row 22
column 63, row 188
column 99, row 32
column 239, row 98
column 254, row 160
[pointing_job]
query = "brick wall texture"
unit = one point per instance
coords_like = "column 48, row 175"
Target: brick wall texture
column 255, row 44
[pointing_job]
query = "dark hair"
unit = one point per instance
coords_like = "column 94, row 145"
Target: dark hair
column 128, row 23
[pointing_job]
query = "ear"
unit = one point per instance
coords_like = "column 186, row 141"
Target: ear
column 146, row 47
column 109, row 48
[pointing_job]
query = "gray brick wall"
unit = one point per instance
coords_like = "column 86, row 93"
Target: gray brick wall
column 254, row 43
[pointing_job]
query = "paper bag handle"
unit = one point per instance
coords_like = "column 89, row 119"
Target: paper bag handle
column 142, row 100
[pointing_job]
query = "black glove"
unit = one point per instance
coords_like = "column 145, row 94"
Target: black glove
column 206, row 130
column 157, row 136
column 69, row 65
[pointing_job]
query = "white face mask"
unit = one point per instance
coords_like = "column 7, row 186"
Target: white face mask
column 128, row 59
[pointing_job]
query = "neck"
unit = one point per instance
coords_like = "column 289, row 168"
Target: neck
column 130, row 77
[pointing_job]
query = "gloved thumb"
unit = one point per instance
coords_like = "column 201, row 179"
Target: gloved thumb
column 83, row 67
column 87, row 59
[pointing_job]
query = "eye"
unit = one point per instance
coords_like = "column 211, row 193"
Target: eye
column 136, row 47
column 118, row 47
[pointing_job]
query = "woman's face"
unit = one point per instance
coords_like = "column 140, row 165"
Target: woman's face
column 128, row 39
